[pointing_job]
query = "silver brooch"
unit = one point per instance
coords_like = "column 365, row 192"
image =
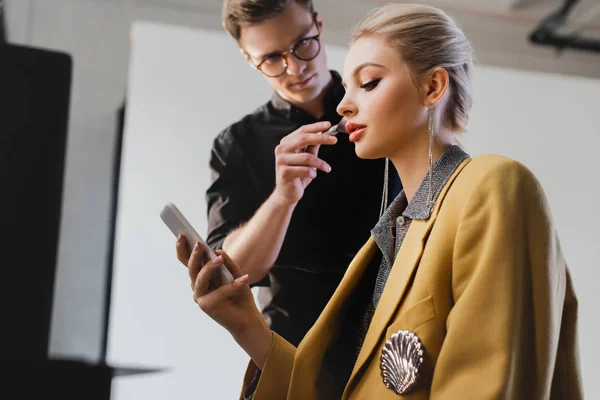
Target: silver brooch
column 401, row 358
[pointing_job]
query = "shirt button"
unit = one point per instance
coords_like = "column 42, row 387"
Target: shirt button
column 400, row 220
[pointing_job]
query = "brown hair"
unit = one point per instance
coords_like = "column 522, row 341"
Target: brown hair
column 427, row 38
column 241, row 13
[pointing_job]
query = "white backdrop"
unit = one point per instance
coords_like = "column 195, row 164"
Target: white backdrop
column 186, row 85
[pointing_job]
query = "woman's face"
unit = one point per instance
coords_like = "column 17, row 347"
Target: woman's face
column 385, row 109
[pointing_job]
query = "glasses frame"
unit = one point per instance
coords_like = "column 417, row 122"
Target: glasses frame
column 292, row 51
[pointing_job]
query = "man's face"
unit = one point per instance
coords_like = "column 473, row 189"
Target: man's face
column 302, row 81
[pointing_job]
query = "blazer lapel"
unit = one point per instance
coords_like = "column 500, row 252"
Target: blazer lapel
column 393, row 293
column 402, row 271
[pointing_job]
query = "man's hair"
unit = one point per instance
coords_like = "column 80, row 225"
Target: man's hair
column 242, row 13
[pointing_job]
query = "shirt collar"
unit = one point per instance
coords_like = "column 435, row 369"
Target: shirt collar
column 333, row 96
column 419, row 208
column 443, row 169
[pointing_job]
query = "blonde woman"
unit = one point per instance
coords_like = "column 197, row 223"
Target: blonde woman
column 462, row 291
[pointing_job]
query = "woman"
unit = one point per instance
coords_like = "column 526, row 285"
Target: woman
column 462, row 290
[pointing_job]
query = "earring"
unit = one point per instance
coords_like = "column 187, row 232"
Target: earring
column 431, row 134
column 384, row 199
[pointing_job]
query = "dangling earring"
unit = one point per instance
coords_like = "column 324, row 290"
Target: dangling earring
column 431, row 134
column 431, row 203
column 384, row 199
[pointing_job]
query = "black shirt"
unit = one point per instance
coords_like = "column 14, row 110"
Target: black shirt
column 329, row 224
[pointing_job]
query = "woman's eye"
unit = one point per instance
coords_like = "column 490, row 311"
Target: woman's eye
column 370, row 85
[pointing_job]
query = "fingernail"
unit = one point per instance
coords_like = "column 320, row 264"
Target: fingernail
column 328, row 168
column 197, row 246
column 179, row 237
column 242, row 279
column 217, row 260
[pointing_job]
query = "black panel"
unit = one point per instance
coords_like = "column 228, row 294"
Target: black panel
column 34, row 107
column 116, row 173
column 2, row 24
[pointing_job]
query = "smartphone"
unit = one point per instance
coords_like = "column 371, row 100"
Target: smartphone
column 178, row 224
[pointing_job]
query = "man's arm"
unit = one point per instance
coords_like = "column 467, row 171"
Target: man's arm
column 256, row 244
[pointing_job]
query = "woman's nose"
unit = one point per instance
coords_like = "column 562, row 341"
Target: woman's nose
column 346, row 108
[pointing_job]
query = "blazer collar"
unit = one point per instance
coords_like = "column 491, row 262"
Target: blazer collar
column 419, row 207
column 443, row 169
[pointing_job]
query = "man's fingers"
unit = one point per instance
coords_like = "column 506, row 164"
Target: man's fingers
column 304, row 140
column 298, row 139
column 303, row 160
column 315, row 127
column 314, row 150
column 312, row 129
column 292, row 172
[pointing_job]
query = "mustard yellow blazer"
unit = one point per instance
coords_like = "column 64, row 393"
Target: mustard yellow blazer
column 484, row 286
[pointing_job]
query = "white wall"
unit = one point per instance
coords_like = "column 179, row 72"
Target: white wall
column 181, row 94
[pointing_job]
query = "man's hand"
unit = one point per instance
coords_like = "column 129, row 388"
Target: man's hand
column 295, row 168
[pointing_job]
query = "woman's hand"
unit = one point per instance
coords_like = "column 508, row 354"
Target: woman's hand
column 232, row 305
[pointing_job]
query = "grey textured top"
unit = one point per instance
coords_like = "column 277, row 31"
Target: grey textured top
column 389, row 233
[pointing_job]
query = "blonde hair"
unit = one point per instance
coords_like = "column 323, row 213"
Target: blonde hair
column 427, row 38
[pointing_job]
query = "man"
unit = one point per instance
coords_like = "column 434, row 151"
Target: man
column 292, row 218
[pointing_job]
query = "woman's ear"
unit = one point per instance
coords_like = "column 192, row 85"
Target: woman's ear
column 435, row 86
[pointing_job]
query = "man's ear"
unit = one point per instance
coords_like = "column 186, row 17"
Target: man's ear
column 319, row 21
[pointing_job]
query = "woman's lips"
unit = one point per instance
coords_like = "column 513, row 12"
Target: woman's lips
column 355, row 130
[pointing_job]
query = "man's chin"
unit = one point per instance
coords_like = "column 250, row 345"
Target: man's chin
column 305, row 95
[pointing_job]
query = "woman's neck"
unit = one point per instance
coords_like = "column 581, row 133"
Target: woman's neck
column 412, row 162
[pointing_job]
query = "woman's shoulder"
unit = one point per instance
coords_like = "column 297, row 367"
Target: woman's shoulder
column 497, row 177
column 495, row 164
column 494, row 168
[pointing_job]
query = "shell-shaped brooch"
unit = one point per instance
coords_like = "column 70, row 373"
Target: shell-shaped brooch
column 401, row 358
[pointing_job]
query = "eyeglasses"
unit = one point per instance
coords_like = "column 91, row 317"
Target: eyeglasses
column 276, row 64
